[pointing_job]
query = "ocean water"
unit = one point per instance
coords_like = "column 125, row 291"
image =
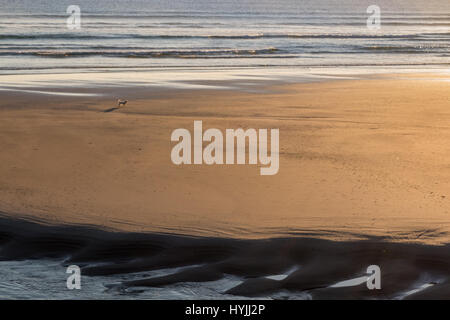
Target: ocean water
column 46, row 279
column 148, row 34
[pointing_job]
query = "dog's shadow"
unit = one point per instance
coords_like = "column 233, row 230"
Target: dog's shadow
column 111, row 109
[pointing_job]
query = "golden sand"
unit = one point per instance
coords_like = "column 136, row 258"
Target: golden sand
column 356, row 157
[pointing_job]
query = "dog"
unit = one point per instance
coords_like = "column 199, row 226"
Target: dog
column 121, row 102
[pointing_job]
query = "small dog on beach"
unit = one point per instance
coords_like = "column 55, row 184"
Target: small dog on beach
column 121, row 102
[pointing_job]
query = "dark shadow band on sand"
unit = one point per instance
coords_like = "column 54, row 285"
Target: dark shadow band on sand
column 411, row 271
column 110, row 109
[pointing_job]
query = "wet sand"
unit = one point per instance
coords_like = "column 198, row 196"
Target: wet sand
column 357, row 158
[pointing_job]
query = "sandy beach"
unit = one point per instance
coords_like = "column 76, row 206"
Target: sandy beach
column 357, row 157
column 223, row 150
column 363, row 180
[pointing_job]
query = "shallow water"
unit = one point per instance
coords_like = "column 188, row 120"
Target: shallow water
column 46, row 279
column 166, row 34
column 114, row 265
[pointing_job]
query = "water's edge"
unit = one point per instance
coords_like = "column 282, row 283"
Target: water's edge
column 123, row 265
